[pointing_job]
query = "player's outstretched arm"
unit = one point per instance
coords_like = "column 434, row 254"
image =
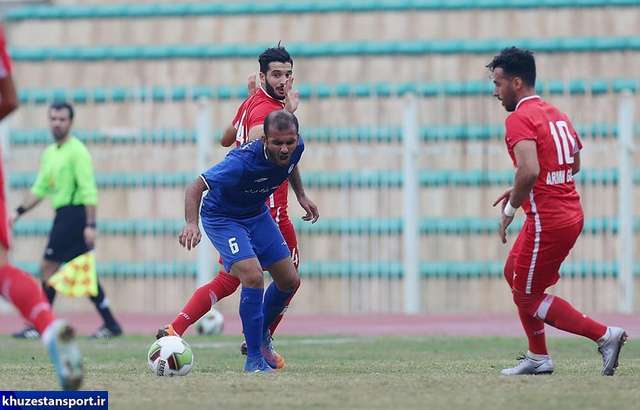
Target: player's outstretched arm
column 190, row 235
column 526, row 175
column 308, row 205
column 228, row 136
column 28, row 203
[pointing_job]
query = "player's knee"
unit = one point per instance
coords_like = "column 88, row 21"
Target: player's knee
column 294, row 283
column 251, row 279
column 288, row 282
column 527, row 302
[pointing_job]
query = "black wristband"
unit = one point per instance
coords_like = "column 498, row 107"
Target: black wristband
column 20, row 210
column 91, row 225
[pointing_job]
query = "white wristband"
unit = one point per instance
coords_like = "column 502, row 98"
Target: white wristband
column 509, row 210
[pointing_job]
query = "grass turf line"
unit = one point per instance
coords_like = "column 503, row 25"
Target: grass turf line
column 341, row 373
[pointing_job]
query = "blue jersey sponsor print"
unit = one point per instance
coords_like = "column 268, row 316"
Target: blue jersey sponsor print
column 241, row 183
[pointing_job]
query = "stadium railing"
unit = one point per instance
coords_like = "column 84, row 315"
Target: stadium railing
column 119, row 11
column 369, row 134
column 350, row 269
column 337, row 179
column 326, row 226
column 98, row 95
column 329, row 49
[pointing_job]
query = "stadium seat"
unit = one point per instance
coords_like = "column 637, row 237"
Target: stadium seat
column 332, row 49
column 308, row 91
column 330, row 226
column 350, row 269
column 69, row 12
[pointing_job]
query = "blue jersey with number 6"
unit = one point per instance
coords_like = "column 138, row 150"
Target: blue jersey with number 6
column 234, row 214
column 241, row 183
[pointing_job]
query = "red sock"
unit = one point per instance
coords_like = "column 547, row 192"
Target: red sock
column 278, row 318
column 223, row 285
column 534, row 329
column 560, row 314
column 27, row 296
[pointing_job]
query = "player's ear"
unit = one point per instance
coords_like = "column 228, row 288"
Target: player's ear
column 517, row 82
column 263, row 78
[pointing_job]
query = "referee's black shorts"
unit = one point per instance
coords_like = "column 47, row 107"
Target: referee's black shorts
column 66, row 239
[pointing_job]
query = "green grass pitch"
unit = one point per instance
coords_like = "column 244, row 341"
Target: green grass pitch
column 341, row 373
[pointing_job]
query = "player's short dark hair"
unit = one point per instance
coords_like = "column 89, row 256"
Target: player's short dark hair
column 281, row 121
column 278, row 53
column 62, row 105
column 516, row 62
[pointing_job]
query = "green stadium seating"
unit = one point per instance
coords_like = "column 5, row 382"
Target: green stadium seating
column 347, row 179
column 383, row 134
column 350, row 269
column 102, row 95
column 331, row 226
column 71, row 12
column 315, row 50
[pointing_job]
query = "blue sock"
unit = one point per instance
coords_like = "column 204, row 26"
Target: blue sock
column 274, row 300
column 252, row 319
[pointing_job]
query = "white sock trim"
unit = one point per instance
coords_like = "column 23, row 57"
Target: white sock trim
column 605, row 337
column 536, row 356
column 105, row 303
column 544, row 306
column 50, row 331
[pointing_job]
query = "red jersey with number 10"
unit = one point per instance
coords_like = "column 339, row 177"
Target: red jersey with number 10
column 251, row 113
column 553, row 202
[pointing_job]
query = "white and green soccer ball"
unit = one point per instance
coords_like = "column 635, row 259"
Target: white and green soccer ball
column 211, row 323
column 170, row 356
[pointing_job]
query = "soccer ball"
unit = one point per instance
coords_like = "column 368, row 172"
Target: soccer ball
column 170, row 356
column 211, row 323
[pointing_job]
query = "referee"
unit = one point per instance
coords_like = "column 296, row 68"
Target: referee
column 66, row 177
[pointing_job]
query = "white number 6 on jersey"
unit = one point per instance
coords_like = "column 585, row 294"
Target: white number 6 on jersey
column 233, row 245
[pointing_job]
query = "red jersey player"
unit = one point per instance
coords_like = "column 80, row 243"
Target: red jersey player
column 17, row 286
column 274, row 93
column 545, row 150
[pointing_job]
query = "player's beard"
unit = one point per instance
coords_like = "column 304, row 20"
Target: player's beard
column 271, row 91
column 275, row 158
column 58, row 134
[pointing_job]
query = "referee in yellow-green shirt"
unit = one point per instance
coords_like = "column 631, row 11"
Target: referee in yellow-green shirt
column 66, row 177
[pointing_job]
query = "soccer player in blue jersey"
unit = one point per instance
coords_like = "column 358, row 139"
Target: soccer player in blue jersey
column 238, row 223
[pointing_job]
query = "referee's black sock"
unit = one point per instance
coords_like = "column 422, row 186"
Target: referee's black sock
column 50, row 291
column 102, row 304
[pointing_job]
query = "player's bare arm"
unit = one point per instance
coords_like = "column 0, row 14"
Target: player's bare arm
column 90, row 228
column 308, row 205
column 526, row 175
column 190, row 235
column 9, row 101
column 228, row 136
column 29, row 202
column 256, row 132
column 252, row 83
column 575, row 167
column 292, row 98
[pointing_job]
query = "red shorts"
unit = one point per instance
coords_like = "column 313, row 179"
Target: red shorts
column 535, row 258
column 289, row 234
column 5, row 232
